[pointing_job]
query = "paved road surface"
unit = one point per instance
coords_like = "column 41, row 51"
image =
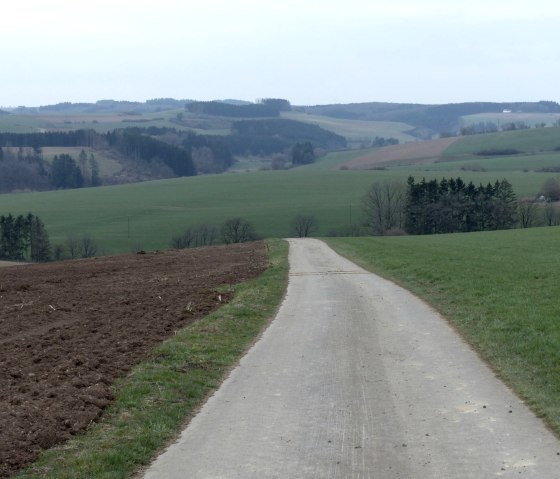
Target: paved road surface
column 356, row 378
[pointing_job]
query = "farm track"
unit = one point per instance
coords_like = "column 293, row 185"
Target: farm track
column 69, row 329
column 357, row 378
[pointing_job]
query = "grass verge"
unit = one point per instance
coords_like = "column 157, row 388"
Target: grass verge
column 155, row 399
column 499, row 289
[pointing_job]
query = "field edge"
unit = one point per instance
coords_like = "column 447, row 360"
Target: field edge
column 506, row 363
column 156, row 400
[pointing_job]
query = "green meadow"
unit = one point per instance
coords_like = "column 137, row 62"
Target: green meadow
column 146, row 215
column 499, row 289
column 356, row 131
column 528, row 141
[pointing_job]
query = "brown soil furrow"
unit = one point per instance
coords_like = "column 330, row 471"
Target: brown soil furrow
column 69, row 329
column 409, row 153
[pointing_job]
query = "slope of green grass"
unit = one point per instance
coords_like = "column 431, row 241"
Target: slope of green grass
column 146, row 215
column 503, row 164
column 356, row 131
column 499, row 289
column 528, row 141
column 103, row 122
column 154, row 400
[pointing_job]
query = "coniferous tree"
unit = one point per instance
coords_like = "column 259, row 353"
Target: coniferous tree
column 65, row 173
column 450, row 206
column 39, row 244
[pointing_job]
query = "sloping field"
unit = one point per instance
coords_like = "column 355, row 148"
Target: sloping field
column 357, row 131
column 409, row 153
column 528, row 141
column 147, row 215
column 69, row 329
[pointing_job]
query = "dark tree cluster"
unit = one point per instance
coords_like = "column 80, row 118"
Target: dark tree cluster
column 379, row 141
column 266, row 137
column 139, row 147
column 23, row 238
column 279, row 104
column 210, row 154
column 218, row 108
column 479, row 128
column 65, row 173
column 133, row 143
column 23, row 168
column 303, row 154
column 89, row 138
column 498, row 152
column 450, row 206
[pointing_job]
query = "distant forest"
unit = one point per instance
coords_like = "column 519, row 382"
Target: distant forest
column 168, row 151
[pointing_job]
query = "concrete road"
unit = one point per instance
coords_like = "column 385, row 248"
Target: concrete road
column 357, row 378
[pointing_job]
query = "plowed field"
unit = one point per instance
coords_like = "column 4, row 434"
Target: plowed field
column 69, row 329
column 407, row 153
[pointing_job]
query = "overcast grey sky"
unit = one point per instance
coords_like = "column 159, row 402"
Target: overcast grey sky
column 308, row 51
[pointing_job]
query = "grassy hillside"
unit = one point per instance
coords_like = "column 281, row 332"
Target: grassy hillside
column 496, row 288
column 537, row 160
column 103, row 122
column 503, row 165
column 434, row 118
column 146, row 215
column 357, row 132
column 529, row 141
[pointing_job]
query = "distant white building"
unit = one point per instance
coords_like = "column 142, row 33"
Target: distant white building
column 506, row 111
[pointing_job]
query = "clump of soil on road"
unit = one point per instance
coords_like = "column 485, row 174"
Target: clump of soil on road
column 69, row 329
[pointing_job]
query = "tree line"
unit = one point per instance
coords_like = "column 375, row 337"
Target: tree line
column 23, row 238
column 137, row 146
column 218, row 108
column 265, row 137
column 444, row 206
column 134, row 143
column 25, row 168
column 452, row 206
column 178, row 153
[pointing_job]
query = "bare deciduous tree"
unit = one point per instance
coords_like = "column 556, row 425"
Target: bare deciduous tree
column 304, row 225
column 206, row 235
column 184, row 240
column 201, row 235
column 237, row 230
column 528, row 212
column 72, row 245
column 551, row 214
column 551, row 189
column 383, row 206
column 89, row 246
